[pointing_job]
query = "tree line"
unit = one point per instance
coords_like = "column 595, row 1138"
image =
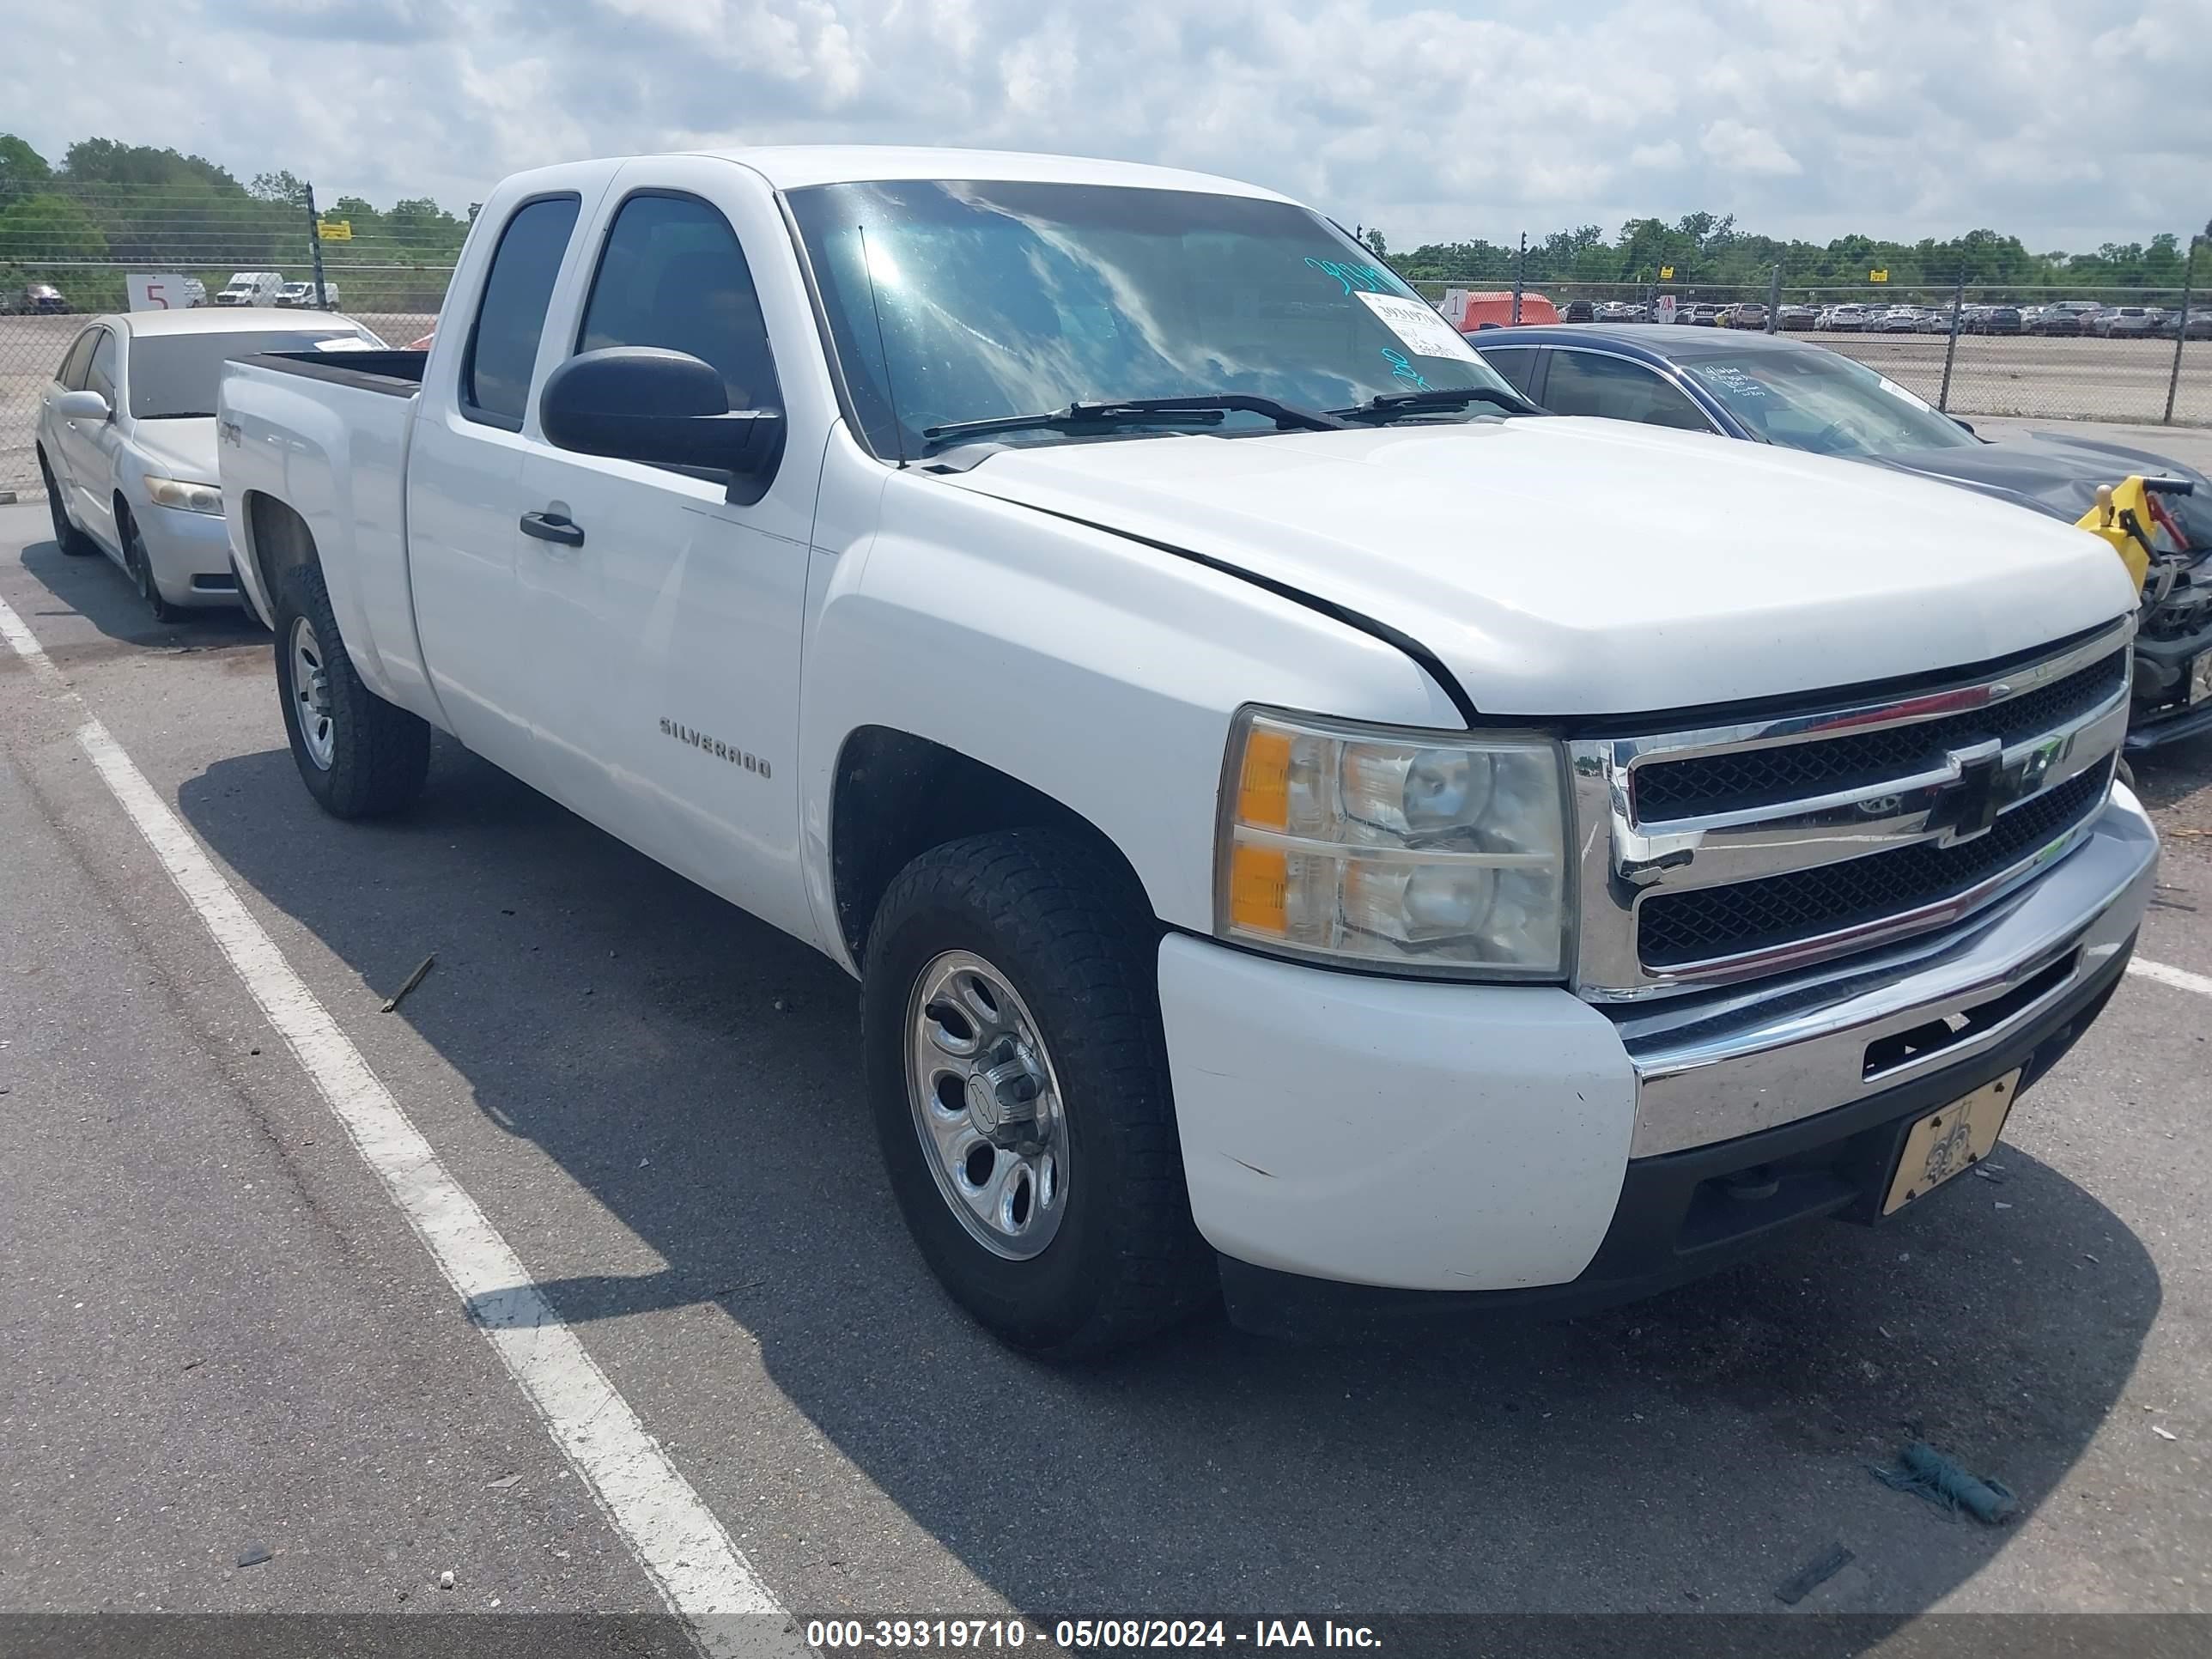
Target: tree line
column 153, row 209
column 1707, row 250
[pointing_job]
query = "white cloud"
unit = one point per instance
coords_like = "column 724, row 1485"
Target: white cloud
column 1431, row 121
column 1748, row 149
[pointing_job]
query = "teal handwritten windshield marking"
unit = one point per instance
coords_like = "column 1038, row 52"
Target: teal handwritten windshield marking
column 1402, row 370
column 1366, row 277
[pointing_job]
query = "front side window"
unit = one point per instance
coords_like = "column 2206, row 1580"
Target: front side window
column 1587, row 383
column 1823, row 402
column 1001, row 299
column 503, row 345
column 673, row 276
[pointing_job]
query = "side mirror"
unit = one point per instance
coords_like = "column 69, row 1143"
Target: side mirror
column 664, row 409
column 1963, row 426
column 82, row 406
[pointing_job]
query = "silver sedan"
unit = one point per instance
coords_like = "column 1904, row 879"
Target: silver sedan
column 126, row 441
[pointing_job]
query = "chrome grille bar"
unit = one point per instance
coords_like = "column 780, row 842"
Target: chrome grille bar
column 1962, row 757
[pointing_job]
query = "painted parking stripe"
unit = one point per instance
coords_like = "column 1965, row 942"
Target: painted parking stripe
column 687, row 1552
column 2180, row 978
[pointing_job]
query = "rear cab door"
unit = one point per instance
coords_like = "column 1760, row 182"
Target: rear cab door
column 464, row 460
column 665, row 643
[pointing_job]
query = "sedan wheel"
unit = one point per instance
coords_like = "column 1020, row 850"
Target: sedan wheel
column 140, row 565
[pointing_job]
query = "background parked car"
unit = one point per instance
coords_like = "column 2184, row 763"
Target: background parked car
column 32, row 299
column 2067, row 316
column 126, row 441
column 1845, row 318
column 1578, row 310
column 1698, row 316
column 1892, row 319
column 251, row 287
column 1798, row 316
column 294, row 294
column 1622, row 311
column 1745, row 313
column 1800, row 396
column 2116, row 321
column 2000, row 319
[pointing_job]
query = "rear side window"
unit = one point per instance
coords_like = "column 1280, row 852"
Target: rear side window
column 1585, row 383
column 71, row 372
column 503, row 343
column 673, row 276
column 1516, row 363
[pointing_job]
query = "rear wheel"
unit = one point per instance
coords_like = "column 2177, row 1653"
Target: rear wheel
column 67, row 536
column 1019, row 1083
column 140, row 564
column 359, row 756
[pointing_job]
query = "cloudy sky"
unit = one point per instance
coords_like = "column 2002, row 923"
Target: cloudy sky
column 2070, row 122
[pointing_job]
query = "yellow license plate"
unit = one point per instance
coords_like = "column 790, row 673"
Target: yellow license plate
column 1950, row 1140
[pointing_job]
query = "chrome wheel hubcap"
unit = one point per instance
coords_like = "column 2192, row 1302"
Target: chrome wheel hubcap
column 311, row 694
column 986, row 1105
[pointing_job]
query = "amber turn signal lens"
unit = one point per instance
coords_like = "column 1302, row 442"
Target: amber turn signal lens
column 1259, row 889
column 1263, row 792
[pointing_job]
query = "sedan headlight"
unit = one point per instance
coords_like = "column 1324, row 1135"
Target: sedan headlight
column 191, row 497
column 1439, row 853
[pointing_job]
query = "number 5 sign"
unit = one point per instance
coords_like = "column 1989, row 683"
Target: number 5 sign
column 158, row 293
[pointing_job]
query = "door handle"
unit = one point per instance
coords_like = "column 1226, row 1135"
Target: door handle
column 553, row 527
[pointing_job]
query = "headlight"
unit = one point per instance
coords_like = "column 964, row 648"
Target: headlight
column 192, row 497
column 1430, row 853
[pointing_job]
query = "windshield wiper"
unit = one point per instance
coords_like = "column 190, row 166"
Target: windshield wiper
column 1391, row 405
column 1205, row 409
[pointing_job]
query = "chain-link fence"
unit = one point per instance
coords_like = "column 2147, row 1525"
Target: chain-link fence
column 2107, row 353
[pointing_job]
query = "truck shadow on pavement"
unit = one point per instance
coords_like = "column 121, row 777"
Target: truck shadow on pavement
column 696, row 1074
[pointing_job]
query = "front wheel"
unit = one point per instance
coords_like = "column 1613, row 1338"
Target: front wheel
column 140, row 564
column 359, row 756
column 1019, row 1083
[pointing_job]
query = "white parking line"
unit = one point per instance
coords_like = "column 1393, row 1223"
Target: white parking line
column 2180, row 978
column 687, row 1552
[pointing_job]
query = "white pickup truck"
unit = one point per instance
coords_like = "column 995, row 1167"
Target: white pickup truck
column 1310, row 827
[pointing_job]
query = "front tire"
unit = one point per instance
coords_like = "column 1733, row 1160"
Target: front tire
column 140, row 564
column 359, row 756
column 1019, row 1082
column 67, row 536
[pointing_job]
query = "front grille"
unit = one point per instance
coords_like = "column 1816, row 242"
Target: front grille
column 1706, row 923
column 1729, row 782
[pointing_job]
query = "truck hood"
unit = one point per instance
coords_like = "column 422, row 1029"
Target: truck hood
column 2058, row 474
column 1567, row 566
column 181, row 449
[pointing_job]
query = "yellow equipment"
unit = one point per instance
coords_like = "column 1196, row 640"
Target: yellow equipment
column 2122, row 516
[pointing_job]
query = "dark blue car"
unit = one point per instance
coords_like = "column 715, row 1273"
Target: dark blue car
column 1766, row 389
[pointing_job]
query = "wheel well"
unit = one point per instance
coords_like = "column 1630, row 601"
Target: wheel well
column 279, row 540
column 897, row 795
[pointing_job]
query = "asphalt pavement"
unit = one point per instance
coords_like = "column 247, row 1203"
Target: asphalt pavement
column 222, row 1338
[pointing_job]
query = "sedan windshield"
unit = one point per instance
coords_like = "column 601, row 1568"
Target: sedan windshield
column 173, row 376
column 957, row 301
column 1823, row 402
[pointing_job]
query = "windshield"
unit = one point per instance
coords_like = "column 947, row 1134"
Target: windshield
column 1823, row 402
column 1000, row 298
column 173, row 376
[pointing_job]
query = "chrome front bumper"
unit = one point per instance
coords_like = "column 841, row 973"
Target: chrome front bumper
column 1728, row 1063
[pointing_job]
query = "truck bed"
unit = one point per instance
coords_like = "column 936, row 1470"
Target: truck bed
column 394, row 373
column 323, row 436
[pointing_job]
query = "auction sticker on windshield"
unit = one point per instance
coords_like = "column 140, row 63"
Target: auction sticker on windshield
column 1423, row 332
